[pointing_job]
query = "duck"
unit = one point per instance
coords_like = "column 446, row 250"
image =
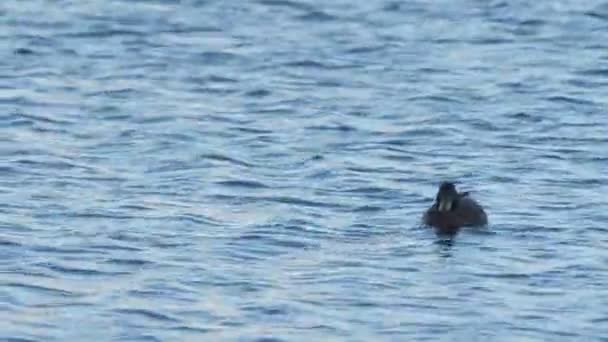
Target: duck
column 453, row 210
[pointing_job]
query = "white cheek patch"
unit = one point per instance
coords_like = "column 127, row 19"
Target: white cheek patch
column 445, row 205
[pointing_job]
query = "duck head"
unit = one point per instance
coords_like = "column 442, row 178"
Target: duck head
column 447, row 197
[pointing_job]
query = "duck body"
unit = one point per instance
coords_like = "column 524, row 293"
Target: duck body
column 453, row 210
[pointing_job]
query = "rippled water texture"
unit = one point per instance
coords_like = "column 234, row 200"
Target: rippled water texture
column 257, row 170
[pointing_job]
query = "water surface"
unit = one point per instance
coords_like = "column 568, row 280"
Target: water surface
column 257, row 170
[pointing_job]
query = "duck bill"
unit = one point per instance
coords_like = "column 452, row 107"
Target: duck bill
column 444, row 205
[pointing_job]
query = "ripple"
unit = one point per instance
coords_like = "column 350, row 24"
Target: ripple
column 337, row 127
column 43, row 289
column 103, row 34
column 595, row 72
column 77, row 271
column 570, row 100
column 129, row 262
column 46, row 164
column 434, row 99
column 268, row 339
column 310, row 64
column 7, row 243
column 301, row 202
column 223, row 158
column 259, row 93
column 217, row 58
column 148, row 314
column 366, row 49
column 116, row 247
column 243, row 184
column 60, row 250
column 24, row 51
column 317, row 16
column 286, row 3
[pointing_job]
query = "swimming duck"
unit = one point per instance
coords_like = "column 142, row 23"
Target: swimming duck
column 453, row 210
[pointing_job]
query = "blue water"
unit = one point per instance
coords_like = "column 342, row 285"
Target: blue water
column 257, row 170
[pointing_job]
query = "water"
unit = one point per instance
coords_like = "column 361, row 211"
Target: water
column 257, row 170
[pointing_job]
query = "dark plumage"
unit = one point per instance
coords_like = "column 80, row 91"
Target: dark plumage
column 453, row 210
